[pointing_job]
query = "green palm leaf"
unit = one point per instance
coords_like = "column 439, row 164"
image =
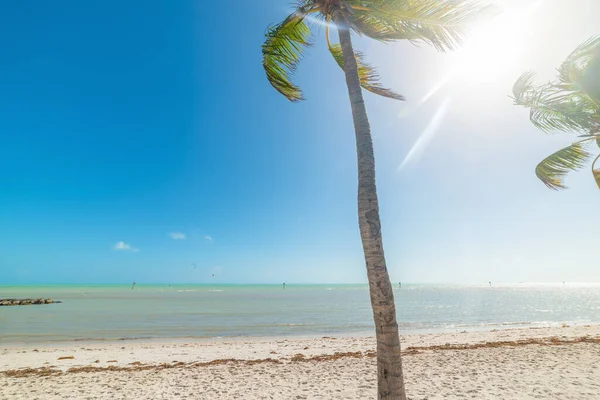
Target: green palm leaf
column 282, row 51
column 440, row 23
column 369, row 79
column 573, row 69
column 596, row 172
column 569, row 103
column 523, row 85
column 552, row 108
column 558, row 113
column 552, row 170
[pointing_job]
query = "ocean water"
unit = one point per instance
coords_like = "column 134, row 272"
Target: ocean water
column 108, row 312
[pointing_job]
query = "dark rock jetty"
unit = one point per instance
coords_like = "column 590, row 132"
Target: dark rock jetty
column 25, row 302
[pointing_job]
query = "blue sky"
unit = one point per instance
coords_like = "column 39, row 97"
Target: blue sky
column 131, row 121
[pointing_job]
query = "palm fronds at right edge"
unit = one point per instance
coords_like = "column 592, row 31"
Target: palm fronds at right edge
column 552, row 170
column 571, row 103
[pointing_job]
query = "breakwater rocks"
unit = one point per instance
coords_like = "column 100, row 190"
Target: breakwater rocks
column 25, row 302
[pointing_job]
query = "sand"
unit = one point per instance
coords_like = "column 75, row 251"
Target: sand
column 531, row 363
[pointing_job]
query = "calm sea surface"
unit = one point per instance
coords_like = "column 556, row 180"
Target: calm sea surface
column 179, row 311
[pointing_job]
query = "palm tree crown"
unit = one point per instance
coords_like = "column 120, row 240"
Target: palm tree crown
column 571, row 103
column 440, row 23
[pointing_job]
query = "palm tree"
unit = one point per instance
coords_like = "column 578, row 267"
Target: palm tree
column 571, row 103
column 440, row 23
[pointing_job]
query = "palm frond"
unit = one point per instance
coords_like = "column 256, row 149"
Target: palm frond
column 523, row 85
column 592, row 136
column 282, row 51
column 569, row 103
column 552, row 170
column 440, row 23
column 369, row 79
column 552, row 108
column 573, row 68
column 558, row 113
column 596, row 172
column 581, row 69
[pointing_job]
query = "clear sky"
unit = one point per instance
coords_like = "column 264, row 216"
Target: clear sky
column 139, row 137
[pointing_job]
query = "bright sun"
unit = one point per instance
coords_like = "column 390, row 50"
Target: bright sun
column 495, row 48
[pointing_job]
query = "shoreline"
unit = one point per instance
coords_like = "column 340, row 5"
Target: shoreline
column 225, row 347
column 524, row 363
column 358, row 334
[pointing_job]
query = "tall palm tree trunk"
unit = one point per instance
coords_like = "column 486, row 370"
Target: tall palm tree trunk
column 390, row 381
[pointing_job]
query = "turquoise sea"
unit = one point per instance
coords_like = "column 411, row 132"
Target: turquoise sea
column 107, row 312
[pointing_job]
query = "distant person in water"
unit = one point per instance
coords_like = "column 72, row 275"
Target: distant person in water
column 490, row 284
column 284, row 285
column 400, row 284
column 132, row 285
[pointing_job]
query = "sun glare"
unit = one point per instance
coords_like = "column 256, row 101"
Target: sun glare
column 495, row 48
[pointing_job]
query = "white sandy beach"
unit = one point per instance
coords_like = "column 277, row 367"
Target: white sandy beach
column 531, row 363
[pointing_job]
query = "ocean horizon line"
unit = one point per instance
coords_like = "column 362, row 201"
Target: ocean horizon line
column 394, row 284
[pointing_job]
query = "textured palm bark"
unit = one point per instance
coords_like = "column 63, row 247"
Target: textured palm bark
column 390, row 381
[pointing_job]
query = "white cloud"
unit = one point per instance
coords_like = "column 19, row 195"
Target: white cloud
column 177, row 235
column 208, row 238
column 125, row 247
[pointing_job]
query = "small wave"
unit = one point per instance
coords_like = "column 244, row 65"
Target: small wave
column 489, row 324
column 447, row 306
